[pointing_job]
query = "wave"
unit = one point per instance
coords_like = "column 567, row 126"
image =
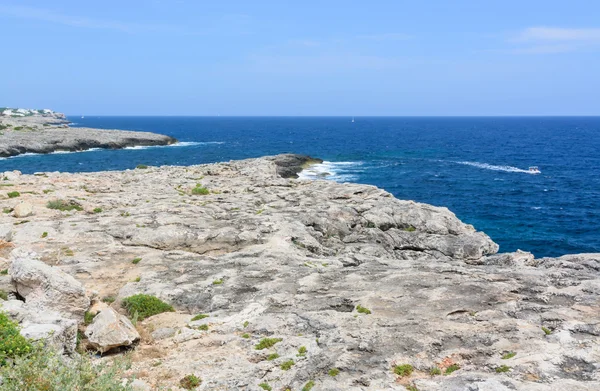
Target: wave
column 487, row 166
column 178, row 144
column 335, row 171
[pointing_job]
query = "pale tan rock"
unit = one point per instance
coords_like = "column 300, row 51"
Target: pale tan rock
column 110, row 330
column 23, row 209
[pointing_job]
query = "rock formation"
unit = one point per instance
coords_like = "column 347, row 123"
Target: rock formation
column 45, row 131
column 355, row 289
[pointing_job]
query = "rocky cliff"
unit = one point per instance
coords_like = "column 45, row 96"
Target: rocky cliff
column 46, row 131
column 355, row 289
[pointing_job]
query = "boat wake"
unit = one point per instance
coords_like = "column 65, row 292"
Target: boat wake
column 498, row 168
column 335, row 171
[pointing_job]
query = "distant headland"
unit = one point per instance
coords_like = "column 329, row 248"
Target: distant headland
column 46, row 131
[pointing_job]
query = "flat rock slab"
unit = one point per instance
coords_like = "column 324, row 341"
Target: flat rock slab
column 341, row 276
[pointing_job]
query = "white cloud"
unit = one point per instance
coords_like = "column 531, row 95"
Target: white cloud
column 549, row 40
column 46, row 15
column 557, row 34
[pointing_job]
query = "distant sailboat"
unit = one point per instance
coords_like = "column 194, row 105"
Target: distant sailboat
column 82, row 116
column 352, row 118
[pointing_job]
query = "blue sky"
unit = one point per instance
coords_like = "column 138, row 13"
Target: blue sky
column 462, row 57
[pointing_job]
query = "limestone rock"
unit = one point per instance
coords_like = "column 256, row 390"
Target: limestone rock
column 23, row 209
column 45, row 287
column 110, row 330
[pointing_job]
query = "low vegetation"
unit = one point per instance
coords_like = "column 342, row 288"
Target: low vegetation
column 199, row 317
column 435, row 371
column 64, row 205
column 141, row 166
column 143, row 306
column 12, row 344
column 3, row 294
column 301, row 351
column 190, row 382
column 333, row 372
column 287, row 365
column 88, row 317
column 508, row 355
column 546, row 330
column 135, row 261
column 266, row 343
column 200, row 190
column 308, row 386
column 97, row 210
column 452, row 368
column 265, row 386
column 363, row 310
column 403, row 370
column 109, row 299
column 13, row 194
column 44, row 370
column 502, row 369
column 272, row 357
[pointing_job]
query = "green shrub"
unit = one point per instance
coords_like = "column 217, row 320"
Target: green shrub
column 547, row 331
column 44, row 370
column 218, row 282
column 266, row 343
column 502, row 369
column 287, row 365
column 190, row 382
column 13, row 194
column 308, row 386
column 333, row 372
column 412, row 387
column 265, row 386
column 12, row 344
column 199, row 316
column 63, row 205
column 200, row 190
column 145, row 306
column 246, row 335
column 508, row 355
column 3, row 294
column 203, row 327
column 403, row 370
column 135, row 261
column 4, row 272
column 7, row 210
column 44, row 234
column 88, row 317
column 245, row 324
column 273, row 356
column 302, row 351
column 97, row 210
column 109, row 299
column 363, row 310
column 435, row 371
column 452, row 368
column 410, row 228
column 141, row 166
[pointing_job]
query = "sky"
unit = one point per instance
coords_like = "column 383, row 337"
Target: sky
column 404, row 58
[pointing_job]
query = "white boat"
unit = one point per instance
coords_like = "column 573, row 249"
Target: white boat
column 352, row 119
column 534, row 170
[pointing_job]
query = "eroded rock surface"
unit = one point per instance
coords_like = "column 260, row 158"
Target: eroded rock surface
column 265, row 256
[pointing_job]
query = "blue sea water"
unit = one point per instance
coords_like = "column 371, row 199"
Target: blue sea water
column 475, row 166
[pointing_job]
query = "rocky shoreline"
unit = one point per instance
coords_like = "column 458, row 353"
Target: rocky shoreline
column 284, row 283
column 45, row 131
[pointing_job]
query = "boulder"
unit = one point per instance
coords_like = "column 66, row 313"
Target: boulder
column 47, row 288
column 110, row 330
column 23, row 209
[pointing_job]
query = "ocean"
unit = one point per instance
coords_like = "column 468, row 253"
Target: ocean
column 475, row 166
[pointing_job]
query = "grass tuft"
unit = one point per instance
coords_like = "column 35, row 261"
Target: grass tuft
column 287, row 365
column 333, row 372
column 403, row 370
column 63, row 205
column 266, row 343
column 502, row 369
column 145, row 306
column 13, row 194
column 452, row 368
column 190, row 382
column 508, row 355
column 199, row 317
column 363, row 310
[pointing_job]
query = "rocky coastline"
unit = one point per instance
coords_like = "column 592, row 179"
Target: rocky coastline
column 271, row 282
column 45, row 131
